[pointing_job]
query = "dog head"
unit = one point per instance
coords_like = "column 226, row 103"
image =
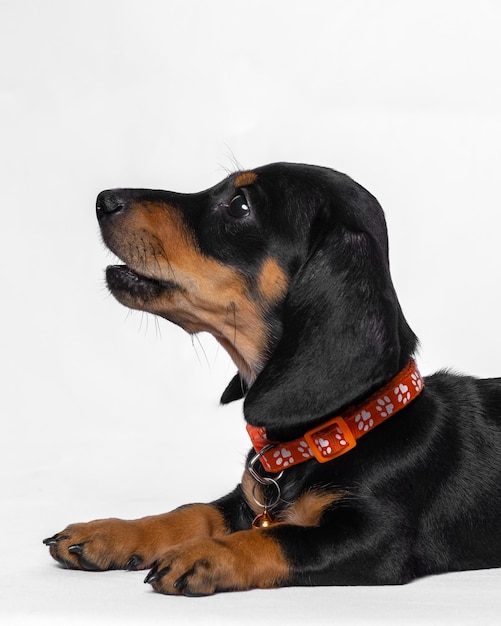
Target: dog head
column 286, row 265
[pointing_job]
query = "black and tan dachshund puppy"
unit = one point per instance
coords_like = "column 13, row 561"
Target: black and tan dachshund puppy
column 360, row 474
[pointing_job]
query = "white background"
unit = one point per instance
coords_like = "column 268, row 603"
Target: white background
column 108, row 413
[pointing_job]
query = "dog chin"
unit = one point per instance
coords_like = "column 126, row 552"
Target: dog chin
column 133, row 289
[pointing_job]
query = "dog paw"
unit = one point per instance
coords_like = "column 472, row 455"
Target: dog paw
column 248, row 559
column 195, row 568
column 100, row 545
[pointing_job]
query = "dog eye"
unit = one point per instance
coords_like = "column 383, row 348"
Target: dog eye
column 239, row 207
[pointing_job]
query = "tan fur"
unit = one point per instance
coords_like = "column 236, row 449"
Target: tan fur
column 307, row 510
column 273, row 281
column 111, row 542
column 154, row 241
column 245, row 179
column 247, row 559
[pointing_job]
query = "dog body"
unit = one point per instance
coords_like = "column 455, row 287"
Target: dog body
column 287, row 266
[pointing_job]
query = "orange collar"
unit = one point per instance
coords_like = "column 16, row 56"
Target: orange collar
column 339, row 434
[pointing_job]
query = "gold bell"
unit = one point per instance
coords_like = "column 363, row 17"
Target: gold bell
column 263, row 520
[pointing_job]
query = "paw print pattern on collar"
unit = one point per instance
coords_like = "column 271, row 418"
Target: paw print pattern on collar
column 364, row 420
column 283, row 457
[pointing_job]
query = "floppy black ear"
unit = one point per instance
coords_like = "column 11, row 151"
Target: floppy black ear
column 235, row 390
column 342, row 329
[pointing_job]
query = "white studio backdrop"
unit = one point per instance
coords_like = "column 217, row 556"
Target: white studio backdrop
column 106, row 412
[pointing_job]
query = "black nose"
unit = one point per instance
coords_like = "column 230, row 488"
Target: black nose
column 109, row 202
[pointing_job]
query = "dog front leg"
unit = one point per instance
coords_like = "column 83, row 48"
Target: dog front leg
column 137, row 544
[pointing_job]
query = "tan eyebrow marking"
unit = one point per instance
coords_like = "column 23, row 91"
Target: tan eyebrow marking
column 245, row 178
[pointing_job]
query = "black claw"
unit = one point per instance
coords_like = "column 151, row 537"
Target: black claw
column 152, row 575
column 182, row 582
column 50, row 541
column 76, row 548
column 134, row 562
column 54, row 540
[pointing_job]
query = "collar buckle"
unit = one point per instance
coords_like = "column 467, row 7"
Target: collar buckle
column 330, row 440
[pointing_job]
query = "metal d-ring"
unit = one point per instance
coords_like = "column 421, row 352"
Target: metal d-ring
column 265, row 481
column 271, row 503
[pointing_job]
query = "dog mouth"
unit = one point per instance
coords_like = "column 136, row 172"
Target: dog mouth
column 122, row 280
